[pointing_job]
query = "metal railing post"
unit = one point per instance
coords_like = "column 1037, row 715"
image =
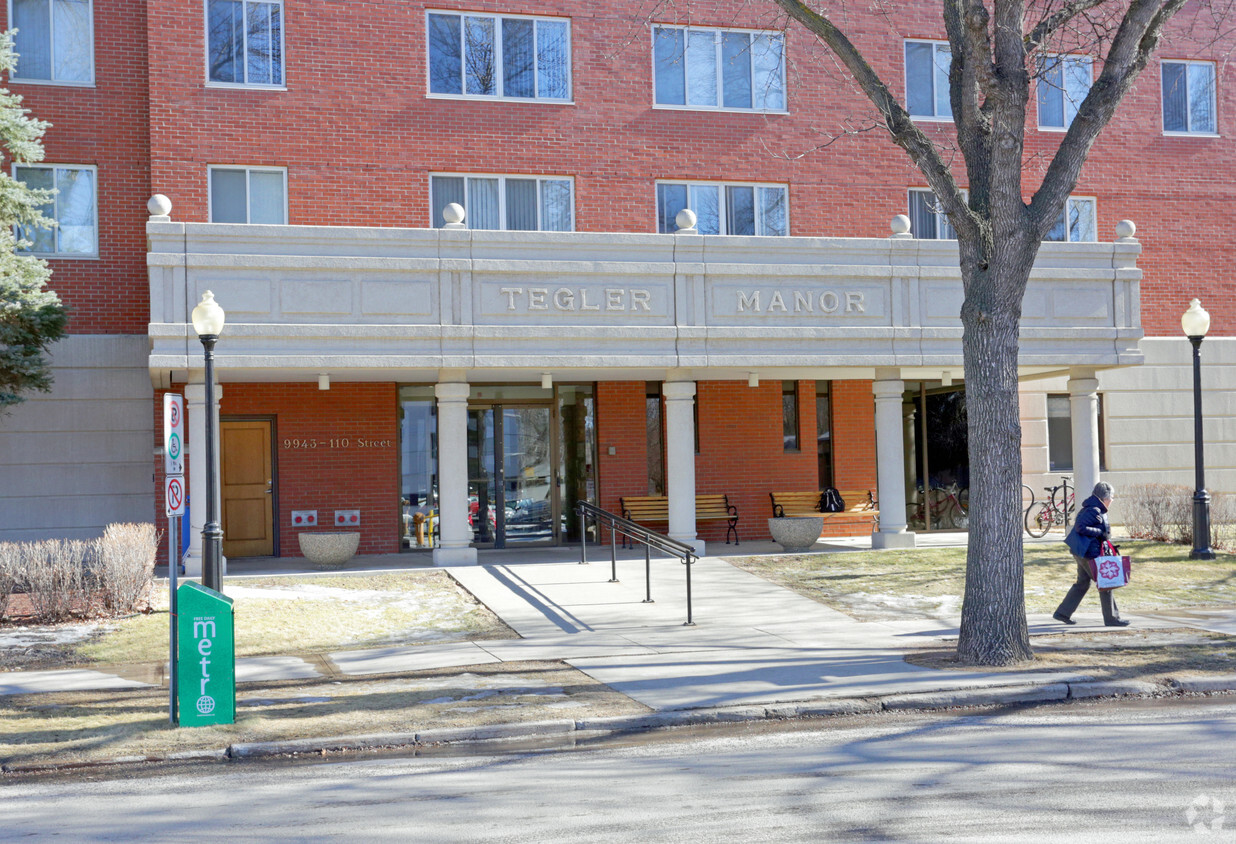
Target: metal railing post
column 647, row 573
column 583, row 537
column 613, row 553
column 687, row 563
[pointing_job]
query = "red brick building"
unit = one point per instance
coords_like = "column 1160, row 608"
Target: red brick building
column 552, row 118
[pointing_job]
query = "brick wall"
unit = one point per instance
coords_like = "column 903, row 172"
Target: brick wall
column 742, row 450
column 330, row 476
column 107, row 126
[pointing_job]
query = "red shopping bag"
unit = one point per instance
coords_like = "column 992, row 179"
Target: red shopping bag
column 1110, row 570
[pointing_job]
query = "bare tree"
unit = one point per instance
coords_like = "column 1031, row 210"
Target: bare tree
column 997, row 49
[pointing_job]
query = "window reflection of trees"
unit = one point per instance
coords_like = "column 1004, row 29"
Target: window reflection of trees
column 246, row 42
column 464, row 55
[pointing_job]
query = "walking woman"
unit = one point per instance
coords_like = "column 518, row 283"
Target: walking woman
column 1092, row 529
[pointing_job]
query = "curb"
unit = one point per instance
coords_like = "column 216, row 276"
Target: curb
column 649, row 721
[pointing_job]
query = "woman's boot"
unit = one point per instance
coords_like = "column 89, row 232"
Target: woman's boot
column 1111, row 615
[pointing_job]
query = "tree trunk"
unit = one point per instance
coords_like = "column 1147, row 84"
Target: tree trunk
column 993, row 613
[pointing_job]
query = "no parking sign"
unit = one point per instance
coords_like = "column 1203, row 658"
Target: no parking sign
column 173, row 434
column 174, row 495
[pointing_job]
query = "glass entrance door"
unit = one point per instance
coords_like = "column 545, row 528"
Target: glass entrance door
column 512, row 485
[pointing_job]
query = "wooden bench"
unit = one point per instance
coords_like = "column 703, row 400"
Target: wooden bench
column 655, row 508
column 859, row 504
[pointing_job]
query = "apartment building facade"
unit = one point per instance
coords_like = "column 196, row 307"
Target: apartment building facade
column 449, row 243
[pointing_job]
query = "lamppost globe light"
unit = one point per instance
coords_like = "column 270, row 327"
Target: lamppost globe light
column 208, row 316
column 1196, row 320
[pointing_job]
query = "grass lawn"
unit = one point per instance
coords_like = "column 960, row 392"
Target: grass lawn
column 288, row 615
column 929, row 582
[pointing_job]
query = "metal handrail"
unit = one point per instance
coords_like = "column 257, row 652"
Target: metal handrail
column 637, row 533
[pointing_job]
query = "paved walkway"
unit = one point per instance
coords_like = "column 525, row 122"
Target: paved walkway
column 753, row 642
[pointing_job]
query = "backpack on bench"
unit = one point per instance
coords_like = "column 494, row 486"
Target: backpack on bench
column 831, row 501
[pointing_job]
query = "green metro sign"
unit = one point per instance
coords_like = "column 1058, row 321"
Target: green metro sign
column 206, row 657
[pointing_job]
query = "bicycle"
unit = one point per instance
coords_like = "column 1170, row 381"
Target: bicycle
column 1056, row 510
column 950, row 509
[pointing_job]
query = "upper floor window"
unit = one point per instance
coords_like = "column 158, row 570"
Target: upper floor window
column 1189, row 97
column 74, row 208
column 511, row 203
column 725, row 208
column 719, row 68
column 1076, row 223
column 55, row 40
column 248, row 195
column 927, row 90
column 245, row 42
column 927, row 219
column 1063, row 83
column 488, row 56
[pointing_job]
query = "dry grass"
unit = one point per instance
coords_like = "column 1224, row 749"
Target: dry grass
column 1151, row 655
column 880, row 585
column 300, row 615
column 92, row 726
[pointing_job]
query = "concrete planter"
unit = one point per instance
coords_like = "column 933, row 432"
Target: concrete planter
column 796, row 533
column 329, row 550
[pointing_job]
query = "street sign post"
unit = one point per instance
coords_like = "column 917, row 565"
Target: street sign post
column 173, row 434
column 174, row 495
column 206, row 677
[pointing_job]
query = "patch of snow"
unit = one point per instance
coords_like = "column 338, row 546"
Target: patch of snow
column 888, row 606
column 57, row 634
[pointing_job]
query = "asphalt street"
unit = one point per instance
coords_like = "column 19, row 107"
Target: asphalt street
column 1139, row 771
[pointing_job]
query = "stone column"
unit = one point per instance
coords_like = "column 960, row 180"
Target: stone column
column 890, row 463
column 1084, row 414
column 454, row 546
column 680, row 460
column 195, row 408
column 909, row 414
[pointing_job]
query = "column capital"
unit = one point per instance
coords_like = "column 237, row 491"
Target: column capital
column 452, row 391
column 1083, row 386
column 888, row 389
column 678, row 390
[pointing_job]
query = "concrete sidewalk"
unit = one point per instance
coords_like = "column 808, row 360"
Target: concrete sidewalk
column 753, row 642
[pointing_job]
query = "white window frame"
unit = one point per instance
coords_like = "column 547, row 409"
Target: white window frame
column 435, row 217
column 248, row 170
column 1064, row 59
column 721, row 208
column 247, row 86
column 71, row 83
column 1068, row 232
column 500, row 97
column 718, row 32
column 941, row 217
column 1214, row 99
column 936, row 43
column 71, row 256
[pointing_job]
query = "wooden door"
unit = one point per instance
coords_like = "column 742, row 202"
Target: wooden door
column 248, row 488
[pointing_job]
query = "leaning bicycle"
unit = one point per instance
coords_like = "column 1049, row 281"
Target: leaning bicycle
column 1056, row 510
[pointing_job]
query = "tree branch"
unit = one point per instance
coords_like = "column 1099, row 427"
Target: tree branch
column 1056, row 20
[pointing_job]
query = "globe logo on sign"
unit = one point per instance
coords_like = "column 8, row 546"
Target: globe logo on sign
column 205, row 704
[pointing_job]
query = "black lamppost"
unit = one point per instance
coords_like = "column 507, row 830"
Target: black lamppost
column 208, row 323
column 1196, row 322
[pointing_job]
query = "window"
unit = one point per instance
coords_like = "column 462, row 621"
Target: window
column 54, row 41
column 927, row 91
column 245, row 42
column 654, row 438
column 1189, row 97
column 511, row 203
column 927, row 220
column 824, row 432
column 1060, row 434
column 1076, row 223
column 718, row 68
column 724, row 208
column 74, row 208
column 789, row 415
column 248, row 195
column 506, row 57
column 1064, row 82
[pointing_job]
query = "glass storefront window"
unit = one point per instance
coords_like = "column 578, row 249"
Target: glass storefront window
column 418, row 465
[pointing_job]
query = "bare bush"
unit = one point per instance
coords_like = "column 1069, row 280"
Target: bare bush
column 53, row 574
column 1164, row 513
column 124, row 568
column 10, row 559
